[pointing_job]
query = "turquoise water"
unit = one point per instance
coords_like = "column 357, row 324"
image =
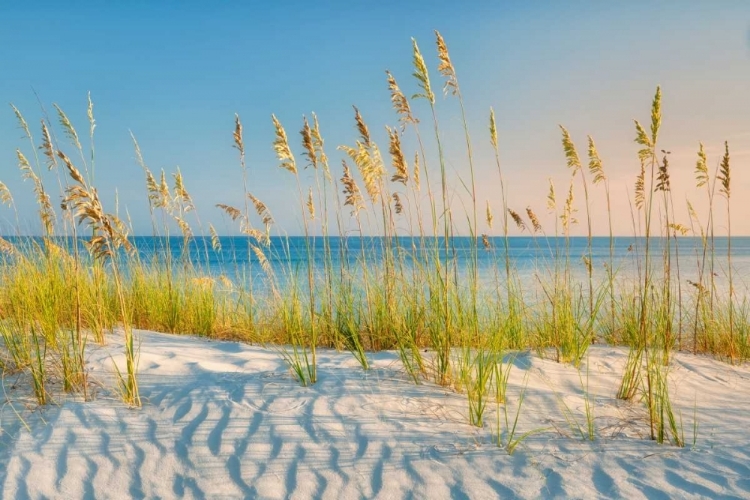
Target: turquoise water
column 529, row 256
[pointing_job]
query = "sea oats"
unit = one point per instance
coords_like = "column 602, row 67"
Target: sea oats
column 416, row 171
column 90, row 115
column 678, row 228
column 397, row 203
column 364, row 131
column 701, row 167
column 400, row 102
column 164, row 191
column 571, row 155
column 640, row 188
column 181, row 192
column 656, row 116
column 368, row 169
column 352, row 194
column 225, row 282
column 641, row 138
column 21, row 121
column 261, row 209
column 46, row 213
column 5, row 197
column 67, row 126
column 534, row 220
column 25, row 166
column 259, row 236
column 72, row 170
column 445, row 67
column 184, row 227
column 517, row 219
column 397, row 157
column 551, row 201
column 595, row 163
column 231, row 211
column 587, row 263
column 569, row 210
column 307, row 143
column 662, row 176
column 154, row 195
column 421, row 74
column 215, row 241
column 724, row 172
column 238, row 139
column 281, row 146
column 47, row 148
column 109, row 232
column 310, row 204
column 493, row 129
column 318, row 142
column 488, row 215
column 6, row 247
column 485, row 241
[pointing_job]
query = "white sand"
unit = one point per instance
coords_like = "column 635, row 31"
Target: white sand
column 226, row 420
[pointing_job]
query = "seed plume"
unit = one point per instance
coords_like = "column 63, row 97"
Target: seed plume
column 534, row 220
column 595, row 163
column 421, row 74
column 571, row 154
column 517, row 219
column 307, row 143
column 47, row 147
column 400, row 102
column 397, row 157
column 701, row 167
column 353, row 196
column 445, row 67
column 281, row 146
column 724, row 172
column 238, row 141
column 397, row 203
column 67, row 126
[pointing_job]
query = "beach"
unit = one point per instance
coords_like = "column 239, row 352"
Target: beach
column 228, row 420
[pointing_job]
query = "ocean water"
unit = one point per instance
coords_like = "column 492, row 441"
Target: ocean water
column 530, row 257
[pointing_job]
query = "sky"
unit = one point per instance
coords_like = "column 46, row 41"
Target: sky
column 175, row 73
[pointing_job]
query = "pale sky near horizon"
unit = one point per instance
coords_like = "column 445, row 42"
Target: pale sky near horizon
column 175, row 74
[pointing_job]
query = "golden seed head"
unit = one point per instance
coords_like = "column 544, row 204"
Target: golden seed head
column 307, row 143
column 421, row 74
column 701, row 167
column 281, row 146
column 595, row 163
column 397, row 203
column 571, row 154
column 724, row 172
column 445, row 67
column 517, row 219
column 399, row 101
column 534, row 220
column 397, row 157
column 493, row 129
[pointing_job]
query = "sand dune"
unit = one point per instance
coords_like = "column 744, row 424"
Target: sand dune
column 226, row 420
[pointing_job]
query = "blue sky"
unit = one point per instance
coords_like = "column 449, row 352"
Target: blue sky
column 175, row 73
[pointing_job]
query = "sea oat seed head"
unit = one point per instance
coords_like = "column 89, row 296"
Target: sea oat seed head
column 281, row 146
column 397, row 157
column 571, row 154
column 701, row 167
column 724, row 172
column 421, row 74
column 595, row 163
column 445, row 67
